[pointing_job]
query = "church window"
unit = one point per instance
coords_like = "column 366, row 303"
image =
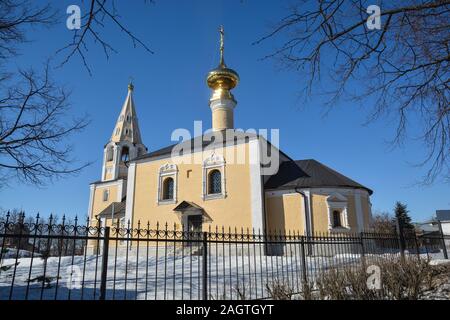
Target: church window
column 168, row 189
column 105, row 195
column 215, row 182
column 117, row 131
column 337, row 219
column 337, row 212
column 128, row 118
column 167, row 184
column 121, row 117
column 125, row 154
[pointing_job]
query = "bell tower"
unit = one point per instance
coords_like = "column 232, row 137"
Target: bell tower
column 222, row 103
column 125, row 143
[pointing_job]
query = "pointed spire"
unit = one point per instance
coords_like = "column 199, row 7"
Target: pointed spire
column 127, row 127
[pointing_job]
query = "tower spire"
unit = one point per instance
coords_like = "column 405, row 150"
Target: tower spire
column 125, row 143
column 127, row 127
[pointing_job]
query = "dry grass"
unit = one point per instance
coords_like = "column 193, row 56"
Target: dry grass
column 407, row 278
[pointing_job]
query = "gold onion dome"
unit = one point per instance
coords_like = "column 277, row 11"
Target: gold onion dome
column 222, row 78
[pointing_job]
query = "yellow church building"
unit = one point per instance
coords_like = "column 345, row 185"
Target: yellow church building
column 219, row 179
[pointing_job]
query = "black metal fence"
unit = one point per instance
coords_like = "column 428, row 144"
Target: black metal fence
column 88, row 261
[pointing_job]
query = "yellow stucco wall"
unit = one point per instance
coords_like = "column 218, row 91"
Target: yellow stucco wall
column 234, row 210
column 285, row 213
column 98, row 203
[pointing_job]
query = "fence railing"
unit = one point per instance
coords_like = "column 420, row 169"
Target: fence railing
column 88, row 262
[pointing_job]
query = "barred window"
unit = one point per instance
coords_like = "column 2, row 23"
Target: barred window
column 168, row 189
column 215, row 182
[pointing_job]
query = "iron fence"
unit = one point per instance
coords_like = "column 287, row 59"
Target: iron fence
column 88, row 261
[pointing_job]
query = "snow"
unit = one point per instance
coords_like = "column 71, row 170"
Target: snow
column 142, row 278
column 169, row 274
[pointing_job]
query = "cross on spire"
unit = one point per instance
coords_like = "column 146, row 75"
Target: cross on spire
column 222, row 46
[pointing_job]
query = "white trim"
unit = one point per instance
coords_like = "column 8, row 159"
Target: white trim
column 130, row 194
column 105, row 154
column 256, row 190
column 120, row 192
column 342, row 205
column 359, row 212
column 107, row 184
column 308, row 214
column 167, row 170
column 91, row 201
column 226, row 104
column 212, row 162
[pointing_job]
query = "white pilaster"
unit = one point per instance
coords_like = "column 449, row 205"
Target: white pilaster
column 130, row 193
column 91, row 201
column 359, row 212
column 256, row 186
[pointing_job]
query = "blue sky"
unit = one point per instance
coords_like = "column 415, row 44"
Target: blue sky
column 170, row 93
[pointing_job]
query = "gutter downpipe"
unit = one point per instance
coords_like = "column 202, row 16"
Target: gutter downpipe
column 307, row 217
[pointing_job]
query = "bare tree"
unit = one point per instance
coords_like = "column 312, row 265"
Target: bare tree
column 383, row 222
column 34, row 111
column 403, row 68
column 15, row 17
column 33, row 131
column 99, row 14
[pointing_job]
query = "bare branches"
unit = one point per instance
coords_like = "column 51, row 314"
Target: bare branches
column 403, row 68
column 34, row 130
column 14, row 17
column 99, row 14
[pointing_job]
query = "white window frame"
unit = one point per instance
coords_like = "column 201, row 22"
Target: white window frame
column 210, row 163
column 165, row 171
column 337, row 202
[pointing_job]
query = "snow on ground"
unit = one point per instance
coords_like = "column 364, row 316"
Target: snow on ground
column 166, row 276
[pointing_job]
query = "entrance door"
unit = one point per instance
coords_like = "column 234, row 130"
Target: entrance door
column 194, row 223
column 194, row 228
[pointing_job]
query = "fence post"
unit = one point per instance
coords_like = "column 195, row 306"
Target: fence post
column 302, row 242
column 444, row 248
column 205, row 266
column 363, row 251
column 105, row 250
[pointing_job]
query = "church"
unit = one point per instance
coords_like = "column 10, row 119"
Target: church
column 198, row 184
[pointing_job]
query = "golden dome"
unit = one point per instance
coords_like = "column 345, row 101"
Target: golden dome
column 222, row 77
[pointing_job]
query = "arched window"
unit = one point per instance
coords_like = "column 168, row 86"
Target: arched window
column 117, row 131
column 336, row 219
column 214, row 182
column 128, row 118
column 167, row 189
column 125, row 154
column 105, row 195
